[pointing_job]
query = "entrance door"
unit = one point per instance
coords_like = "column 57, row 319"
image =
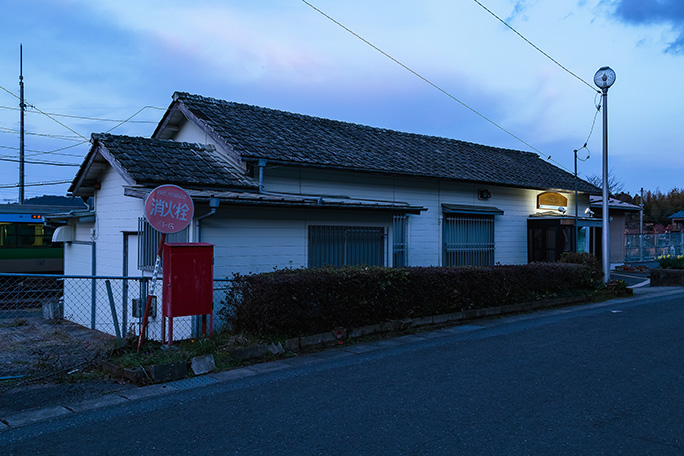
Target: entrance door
column 548, row 239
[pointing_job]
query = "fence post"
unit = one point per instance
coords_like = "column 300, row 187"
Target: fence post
column 93, row 293
column 124, row 307
column 115, row 320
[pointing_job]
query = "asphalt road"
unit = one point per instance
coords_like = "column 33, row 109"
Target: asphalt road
column 599, row 379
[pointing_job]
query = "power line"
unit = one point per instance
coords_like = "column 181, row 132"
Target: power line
column 535, row 46
column 37, row 184
column 36, row 162
column 42, row 152
column 71, row 116
column 50, row 116
column 591, row 130
column 424, row 79
column 46, row 135
column 127, row 120
column 11, row 93
column 55, row 120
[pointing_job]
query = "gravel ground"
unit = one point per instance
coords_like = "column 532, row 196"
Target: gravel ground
column 48, row 359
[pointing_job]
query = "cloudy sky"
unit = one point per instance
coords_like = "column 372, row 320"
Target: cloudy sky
column 91, row 64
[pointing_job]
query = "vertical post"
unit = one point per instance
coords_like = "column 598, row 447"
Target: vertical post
column 157, row 264
column 112, row 308
column 576, row 208
column 641, row 226
column 21, row 125
column 605, row 247
column 93, row 285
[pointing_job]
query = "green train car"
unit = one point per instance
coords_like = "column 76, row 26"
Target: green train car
column 26, row 245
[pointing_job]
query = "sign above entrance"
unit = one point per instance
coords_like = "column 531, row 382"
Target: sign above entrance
column 552, row 201
column 169, row 209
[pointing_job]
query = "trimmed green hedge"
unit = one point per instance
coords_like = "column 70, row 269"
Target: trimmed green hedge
column 295, row 302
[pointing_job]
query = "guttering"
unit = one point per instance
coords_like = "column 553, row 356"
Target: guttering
column 213, row 205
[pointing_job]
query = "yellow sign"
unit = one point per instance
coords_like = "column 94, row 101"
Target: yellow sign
column 553, row 201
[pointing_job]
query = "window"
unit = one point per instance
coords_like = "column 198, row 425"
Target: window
column 23, row 235
column 346, row 246
column 400, row 241
column 148, row 243
column 468, row 240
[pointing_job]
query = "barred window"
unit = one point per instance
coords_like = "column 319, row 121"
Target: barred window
column 468, row 240
column 400, row 241
column 346, row 246
column 148, row 243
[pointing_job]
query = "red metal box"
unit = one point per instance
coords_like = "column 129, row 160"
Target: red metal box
column 188, row 279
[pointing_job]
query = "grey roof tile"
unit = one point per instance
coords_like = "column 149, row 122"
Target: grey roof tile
column 296, row 139
column 156, row 161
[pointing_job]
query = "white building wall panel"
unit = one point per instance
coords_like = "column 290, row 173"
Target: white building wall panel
column 115, row 213
column 191, row 133
column 78, row 254
column 425, row 230
column 254, row 240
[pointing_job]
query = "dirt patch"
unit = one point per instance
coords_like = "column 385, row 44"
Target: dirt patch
column 32, row 347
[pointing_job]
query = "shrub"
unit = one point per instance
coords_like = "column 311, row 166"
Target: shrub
column 287, row 303
column 589, row 260
column 671, row 261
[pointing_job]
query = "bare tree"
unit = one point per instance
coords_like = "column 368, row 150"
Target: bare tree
column 615, row 184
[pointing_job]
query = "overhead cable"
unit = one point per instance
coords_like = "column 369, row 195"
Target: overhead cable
column 424, row 79
column 71, row 116
column 52, row 152
column 535, row 46
column 37, row 184
column 36, row 162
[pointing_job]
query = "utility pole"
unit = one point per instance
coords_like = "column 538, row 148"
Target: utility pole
column 21, row 128
column 641, row 226
column 576, row 208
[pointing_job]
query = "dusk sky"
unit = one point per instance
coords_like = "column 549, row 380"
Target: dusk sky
column 110, row 59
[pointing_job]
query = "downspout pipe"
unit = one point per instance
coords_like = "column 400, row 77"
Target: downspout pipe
column 213, row 205
column 261, row 165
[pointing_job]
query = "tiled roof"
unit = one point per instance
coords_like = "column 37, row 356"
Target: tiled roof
column 296, row 139
column 613, row 203
column 677, row 215
column 155, row 161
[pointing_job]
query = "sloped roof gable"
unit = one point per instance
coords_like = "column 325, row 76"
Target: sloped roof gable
column 146, row 162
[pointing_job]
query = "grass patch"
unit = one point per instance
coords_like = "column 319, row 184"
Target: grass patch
column 154, row 352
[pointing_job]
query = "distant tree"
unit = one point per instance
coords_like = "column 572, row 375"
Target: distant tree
column 54, row 200
column 615, row 184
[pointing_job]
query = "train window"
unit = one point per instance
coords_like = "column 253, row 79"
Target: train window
column 20, row 235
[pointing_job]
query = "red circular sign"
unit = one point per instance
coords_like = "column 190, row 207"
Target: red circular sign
column 169, row 209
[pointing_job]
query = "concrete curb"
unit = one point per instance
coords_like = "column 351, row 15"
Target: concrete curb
column 28, row 417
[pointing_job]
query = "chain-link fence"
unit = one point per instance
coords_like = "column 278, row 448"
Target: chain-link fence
column 51, row 324
column 646, row 247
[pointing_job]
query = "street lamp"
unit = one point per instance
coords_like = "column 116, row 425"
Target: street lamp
column 604, row 78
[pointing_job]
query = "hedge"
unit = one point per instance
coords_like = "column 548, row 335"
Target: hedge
column 295, row 302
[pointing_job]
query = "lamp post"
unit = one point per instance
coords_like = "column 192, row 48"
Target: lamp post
column 604, row 78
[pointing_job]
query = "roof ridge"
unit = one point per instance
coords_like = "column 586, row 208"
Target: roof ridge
column 308, row 117
column 108, row 136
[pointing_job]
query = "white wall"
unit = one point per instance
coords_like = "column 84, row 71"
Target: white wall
column 253, row 240
column 425, row 230
column 115, row 213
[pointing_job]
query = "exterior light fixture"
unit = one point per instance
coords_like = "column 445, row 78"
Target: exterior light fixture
column 604, row 78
